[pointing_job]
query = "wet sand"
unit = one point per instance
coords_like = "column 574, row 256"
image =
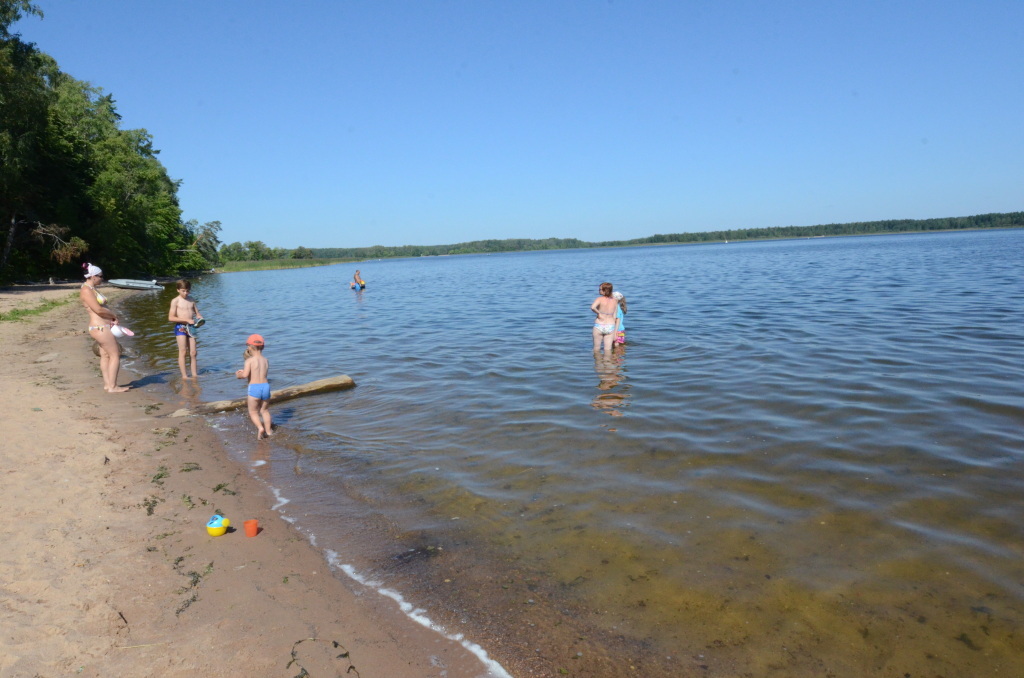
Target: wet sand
column 108, row 568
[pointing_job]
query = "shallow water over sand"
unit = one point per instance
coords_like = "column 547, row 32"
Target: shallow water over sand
column 809, row 458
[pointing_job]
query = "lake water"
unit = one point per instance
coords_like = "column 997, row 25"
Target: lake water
column 807, row 460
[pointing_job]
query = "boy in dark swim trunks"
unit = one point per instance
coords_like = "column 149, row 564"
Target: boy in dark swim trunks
column 184, row 313
column 258, row 399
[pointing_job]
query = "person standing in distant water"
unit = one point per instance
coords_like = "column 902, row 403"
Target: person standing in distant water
column 183, row 314
column 620, row 318
column 357, row 281
column 604, row 324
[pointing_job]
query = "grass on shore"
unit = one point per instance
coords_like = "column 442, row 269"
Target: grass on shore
column 270, row 264
column 22, row 313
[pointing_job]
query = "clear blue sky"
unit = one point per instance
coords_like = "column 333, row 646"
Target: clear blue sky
column 360, row 122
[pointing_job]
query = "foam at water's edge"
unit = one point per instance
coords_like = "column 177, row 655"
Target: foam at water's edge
column 281, row 499
column 494, row 669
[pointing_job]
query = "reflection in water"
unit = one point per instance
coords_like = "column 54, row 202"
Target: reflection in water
column 191, row 391
column 612, row 392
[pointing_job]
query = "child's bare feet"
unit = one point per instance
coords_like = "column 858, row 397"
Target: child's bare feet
column 261, row 434
column 117, row 389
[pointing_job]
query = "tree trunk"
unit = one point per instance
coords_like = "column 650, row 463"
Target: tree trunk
column 10, row 242
column 338, row 383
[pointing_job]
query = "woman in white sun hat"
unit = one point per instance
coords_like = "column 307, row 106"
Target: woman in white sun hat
column 101, row 319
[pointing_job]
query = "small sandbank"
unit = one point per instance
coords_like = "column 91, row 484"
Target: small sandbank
column 108, row 568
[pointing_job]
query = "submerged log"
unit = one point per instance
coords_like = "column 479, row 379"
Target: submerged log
column 338, row 383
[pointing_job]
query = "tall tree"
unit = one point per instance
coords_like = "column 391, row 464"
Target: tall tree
column 25, row 98
column 13, row 10
column 257, row 250
column 233, row 252
column 201, row 253
column 72, row 180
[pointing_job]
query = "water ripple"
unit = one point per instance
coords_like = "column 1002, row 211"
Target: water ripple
column 844, row 416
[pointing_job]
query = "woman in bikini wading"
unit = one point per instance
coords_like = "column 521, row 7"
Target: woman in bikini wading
column 100, row 320
column 604, row 324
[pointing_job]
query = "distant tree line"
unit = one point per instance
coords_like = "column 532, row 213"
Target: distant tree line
column 995, row 220
column 76, row 187
column 1006, row 220
column 257, row 250
column 474, row 247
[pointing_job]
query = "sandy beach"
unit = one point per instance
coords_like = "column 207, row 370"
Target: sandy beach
column 108, row 568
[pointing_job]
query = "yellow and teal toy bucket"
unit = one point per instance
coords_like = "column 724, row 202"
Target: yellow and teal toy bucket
column 218, row 525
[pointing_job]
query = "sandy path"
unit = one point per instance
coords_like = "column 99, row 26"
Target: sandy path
column 107, row 567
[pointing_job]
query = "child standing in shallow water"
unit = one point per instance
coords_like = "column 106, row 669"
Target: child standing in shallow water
column 620, row 318
column 258, row 400
column 184, row 313
column 604, row 324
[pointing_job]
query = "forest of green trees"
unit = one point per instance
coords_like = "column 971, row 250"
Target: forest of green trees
column 75, row 187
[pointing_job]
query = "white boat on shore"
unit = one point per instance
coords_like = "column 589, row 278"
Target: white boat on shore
column 129, row 284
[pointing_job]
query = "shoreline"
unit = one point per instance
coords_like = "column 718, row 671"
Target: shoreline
column 109, row 567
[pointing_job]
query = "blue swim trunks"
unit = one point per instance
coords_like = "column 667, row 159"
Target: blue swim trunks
column 179, row 330
column 259, row 391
